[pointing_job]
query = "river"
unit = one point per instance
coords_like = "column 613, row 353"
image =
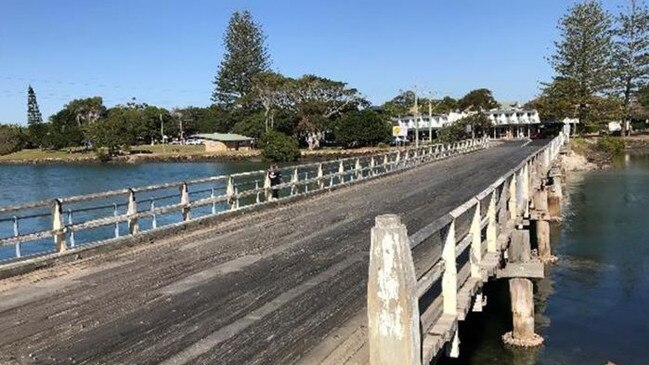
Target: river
column 30, row 183
column 592, row 307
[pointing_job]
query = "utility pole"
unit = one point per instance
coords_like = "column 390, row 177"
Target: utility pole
column 430, row 120
column 416, row 114
column 162, row 134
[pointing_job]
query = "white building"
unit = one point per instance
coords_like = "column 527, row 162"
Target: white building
column 502, row 119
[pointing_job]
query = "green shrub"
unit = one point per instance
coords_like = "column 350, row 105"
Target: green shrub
column 592, row 128
column 611, row 145
column 382, row 145
column 12, row 139
column 278, row 147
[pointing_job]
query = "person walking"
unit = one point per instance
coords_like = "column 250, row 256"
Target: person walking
column 275, row 176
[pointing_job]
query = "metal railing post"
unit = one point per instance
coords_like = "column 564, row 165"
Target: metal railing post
column 184, row 200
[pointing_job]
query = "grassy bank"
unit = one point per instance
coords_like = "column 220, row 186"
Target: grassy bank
column 160, row 153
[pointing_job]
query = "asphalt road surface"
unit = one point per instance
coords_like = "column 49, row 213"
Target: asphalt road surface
column 262, row 288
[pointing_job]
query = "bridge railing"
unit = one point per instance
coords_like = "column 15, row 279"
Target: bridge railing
column 421, row 285
column 63, row 224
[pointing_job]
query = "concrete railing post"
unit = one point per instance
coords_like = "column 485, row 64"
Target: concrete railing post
column 184, row 200
column 341, row 172
column 267, row 191
column 131, row 210
column 372, row 165
column 475, row 254
column 57, row 226
column 357, row 168
column 230, row 193
column 512, row 198
column 320, row 175
column 449, row 279
column 294, row 180
column 492, row 225
column 392, row 301
column 525, row 172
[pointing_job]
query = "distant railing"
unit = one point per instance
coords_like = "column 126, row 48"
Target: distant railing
column 421, row 285
column 62, row 224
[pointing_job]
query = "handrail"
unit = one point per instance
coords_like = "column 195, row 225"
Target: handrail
column 225, row 193
column 392, row 278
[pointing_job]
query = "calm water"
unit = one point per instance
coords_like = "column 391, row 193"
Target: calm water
column 593, row 307
column 28, row 183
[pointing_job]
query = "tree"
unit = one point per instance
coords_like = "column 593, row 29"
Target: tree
column 279, row 147
column 477, row 125
column 362, row 128
column 88, row 110
column 318, row 101
column 270, row 90
column 631, row 54
column 479, row 99
column 400, row 104
column 584, row 53
column 33, row 113
column 251, row 126
column 557, row 100
column 245, row 56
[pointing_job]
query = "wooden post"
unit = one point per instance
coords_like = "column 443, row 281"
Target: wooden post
column 184, row 199
column 521, row 295
column 320, row 175
column 58, row 226
column 525, row 172
column 513, row 209
column 268, row 194
column 131, row 210
column 230, row 193
column 386, row 163
column 294, row 180
column 449, row 279
column 392, row 302
column 475, row 253
column 492, row 226
column 554, row 197
column 357, row 167
column 522, row 301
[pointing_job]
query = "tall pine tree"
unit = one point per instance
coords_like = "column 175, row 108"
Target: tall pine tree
column 631, row 54
column 33, row 113
column 584, row 53
column 245, row 56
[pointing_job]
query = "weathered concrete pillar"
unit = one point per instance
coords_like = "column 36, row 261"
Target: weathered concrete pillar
column 543, row 239
column 392, row 301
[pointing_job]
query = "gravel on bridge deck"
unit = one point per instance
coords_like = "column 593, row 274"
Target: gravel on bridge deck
column 263, row 288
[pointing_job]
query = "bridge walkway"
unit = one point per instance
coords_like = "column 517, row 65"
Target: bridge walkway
column 263, row 288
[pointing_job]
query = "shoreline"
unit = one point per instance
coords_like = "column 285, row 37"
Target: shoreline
column 136, row 158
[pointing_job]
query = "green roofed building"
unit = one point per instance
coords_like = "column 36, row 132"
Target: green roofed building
column 219, row 142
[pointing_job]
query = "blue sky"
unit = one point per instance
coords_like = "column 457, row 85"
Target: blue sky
column 167, row 52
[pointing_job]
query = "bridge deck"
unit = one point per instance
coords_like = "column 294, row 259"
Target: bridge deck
column 266, row 288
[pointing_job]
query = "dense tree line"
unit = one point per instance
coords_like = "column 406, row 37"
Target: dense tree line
column 602, row 66
column 249, row 99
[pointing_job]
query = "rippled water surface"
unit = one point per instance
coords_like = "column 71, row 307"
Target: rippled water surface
column 593, row 306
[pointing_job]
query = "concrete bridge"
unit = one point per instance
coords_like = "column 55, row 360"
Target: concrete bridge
column 280, row 282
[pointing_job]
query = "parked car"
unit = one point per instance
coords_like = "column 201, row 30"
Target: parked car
column 399, row 141
column 194, row 142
